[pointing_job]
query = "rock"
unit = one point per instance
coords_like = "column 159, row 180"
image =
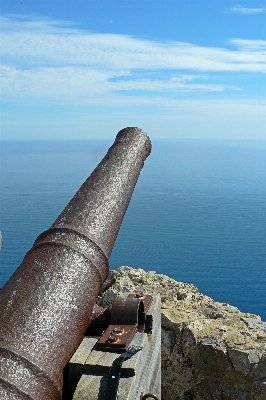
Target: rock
column 210, row 350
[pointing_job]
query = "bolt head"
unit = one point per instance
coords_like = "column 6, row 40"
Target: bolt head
column 117, row 330
column 111, row 339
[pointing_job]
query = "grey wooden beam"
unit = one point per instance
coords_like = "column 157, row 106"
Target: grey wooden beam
column 89, row 367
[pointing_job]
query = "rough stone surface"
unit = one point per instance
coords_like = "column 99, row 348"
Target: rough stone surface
column 210, row 350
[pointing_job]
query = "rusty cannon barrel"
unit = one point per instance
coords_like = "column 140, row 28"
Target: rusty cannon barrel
column 47, row 304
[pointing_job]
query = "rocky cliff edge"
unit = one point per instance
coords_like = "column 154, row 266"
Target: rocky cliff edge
column 210, row 350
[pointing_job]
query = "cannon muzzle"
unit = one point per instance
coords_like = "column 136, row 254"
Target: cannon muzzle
column 46, row 306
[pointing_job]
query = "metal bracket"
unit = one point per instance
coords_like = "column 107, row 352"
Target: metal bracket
column 128, row 316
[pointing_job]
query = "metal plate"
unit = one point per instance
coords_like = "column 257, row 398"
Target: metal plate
column 117, row 337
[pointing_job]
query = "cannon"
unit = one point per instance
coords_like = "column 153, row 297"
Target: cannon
column 47, row 304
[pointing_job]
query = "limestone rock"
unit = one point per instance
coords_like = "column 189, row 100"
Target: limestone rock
column 210, row 350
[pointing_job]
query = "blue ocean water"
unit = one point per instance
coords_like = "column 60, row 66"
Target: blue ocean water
column 197, row 214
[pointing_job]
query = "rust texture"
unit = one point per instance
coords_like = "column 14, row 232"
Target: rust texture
column 128, row 316
column 47, row 304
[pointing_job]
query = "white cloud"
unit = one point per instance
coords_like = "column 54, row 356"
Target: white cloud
column 251, row 46
column 41, row 43
column 46, row 63
column 67, row 85
column 247, row 10
column 80, row 85
column 171, row 85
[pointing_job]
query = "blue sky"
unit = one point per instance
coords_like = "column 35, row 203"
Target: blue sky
column 84, row 69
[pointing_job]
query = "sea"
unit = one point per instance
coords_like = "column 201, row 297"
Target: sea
column 198, row 212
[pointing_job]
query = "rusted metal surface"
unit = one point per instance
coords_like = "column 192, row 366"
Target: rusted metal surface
column 126, row 311
column 100, row 319
column 117, row 337
column 128, row 316
column 47, row 304
column 144, row 322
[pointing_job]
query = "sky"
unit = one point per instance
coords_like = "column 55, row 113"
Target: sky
column 179, row 69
